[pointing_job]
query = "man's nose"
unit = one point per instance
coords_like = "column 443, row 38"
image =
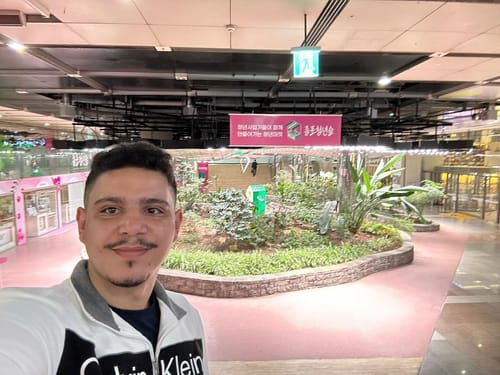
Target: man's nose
column 133, row 223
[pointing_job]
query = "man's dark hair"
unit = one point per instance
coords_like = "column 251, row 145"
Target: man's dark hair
column 136, row 155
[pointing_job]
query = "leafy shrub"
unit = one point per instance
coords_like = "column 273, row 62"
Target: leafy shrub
column 432, row 194
column 232, row 213
column 261, row 230
column 381, row 229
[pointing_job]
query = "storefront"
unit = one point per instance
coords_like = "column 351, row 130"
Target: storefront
column 472, row 190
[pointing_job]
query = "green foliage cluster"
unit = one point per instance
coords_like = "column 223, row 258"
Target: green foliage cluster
column 232, row 213
column 432, row 194
column 191, row 197
column 302, row 201
column 258, row 263
column 310, row 193
column 299, row 203
column 304, row 239
column 371, row 193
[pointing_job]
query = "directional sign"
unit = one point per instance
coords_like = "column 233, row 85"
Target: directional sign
column 305, row 62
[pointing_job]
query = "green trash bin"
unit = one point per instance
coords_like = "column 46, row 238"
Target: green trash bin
column 257, row 195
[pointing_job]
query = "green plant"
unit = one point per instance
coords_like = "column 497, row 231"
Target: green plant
column 380, row 229
column 369, row 194
column 191, row 197
column 432, row 194
column 231, row 213
column 257, row 263
column 261, row 231
column 305, row 238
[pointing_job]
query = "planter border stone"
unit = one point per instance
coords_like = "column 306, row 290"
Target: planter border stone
column 431, row 227
column 262, row 285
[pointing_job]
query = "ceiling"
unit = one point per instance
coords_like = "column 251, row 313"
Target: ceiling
column 173, row 70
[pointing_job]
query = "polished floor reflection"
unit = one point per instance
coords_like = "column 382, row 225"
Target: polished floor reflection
column 467, row 333
column 439, row 315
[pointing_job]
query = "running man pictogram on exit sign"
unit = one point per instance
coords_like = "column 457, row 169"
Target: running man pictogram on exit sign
column 305, row 62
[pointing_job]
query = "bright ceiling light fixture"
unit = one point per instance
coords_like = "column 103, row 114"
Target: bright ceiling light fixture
column 384, row 80
column 163, row 48
column 438, row 54
column 16, row 45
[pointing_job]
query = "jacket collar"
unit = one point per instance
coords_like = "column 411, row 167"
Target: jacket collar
column 97, row 306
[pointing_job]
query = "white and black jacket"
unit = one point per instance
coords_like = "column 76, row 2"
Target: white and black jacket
column 69, row 329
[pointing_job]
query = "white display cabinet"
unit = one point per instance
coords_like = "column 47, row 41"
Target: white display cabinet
column 7, row 222
column 41, row 212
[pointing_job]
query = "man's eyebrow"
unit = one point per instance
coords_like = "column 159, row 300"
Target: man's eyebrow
column 154, row 201
column 116, row 200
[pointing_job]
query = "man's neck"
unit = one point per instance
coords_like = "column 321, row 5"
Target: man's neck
column 126, row 298
column 133, row 298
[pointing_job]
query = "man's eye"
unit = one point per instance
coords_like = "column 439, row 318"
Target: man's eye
column 109, row 210
column 155, row 211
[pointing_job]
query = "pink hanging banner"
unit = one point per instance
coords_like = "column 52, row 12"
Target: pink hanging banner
column 285, row 130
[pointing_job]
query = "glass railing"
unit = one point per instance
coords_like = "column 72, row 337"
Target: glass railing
column 42, row 162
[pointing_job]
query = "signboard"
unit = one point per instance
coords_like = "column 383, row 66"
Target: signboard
column 203, row 173
column 305, row 62
column 284, row 130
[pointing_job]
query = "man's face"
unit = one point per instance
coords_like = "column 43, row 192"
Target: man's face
column 128, row 226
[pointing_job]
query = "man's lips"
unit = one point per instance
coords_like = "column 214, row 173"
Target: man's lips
column 130, row 249
column 130, row 252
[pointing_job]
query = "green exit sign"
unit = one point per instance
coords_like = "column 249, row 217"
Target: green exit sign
column 305, row 62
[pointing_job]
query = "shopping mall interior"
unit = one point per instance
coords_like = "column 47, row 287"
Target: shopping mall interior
column 418, row 78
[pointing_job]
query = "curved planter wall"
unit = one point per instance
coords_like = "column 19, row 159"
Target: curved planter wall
column 256, row 286
column 432, row 227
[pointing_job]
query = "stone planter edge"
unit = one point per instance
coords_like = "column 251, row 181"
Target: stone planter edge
column 262, row 285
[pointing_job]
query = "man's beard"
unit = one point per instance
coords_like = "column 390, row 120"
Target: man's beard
column 130, row 283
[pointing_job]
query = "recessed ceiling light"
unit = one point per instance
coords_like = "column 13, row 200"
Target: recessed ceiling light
column 438, row 54
column 181, row 76
column 163, row 48
column 46, row 124
column 384, row 80
column 19, row 91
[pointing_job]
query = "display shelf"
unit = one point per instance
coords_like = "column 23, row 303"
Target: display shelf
column 41, row 212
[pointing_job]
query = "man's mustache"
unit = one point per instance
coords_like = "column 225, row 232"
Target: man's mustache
column 146, row 244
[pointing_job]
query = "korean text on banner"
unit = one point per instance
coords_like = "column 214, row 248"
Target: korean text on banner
column 285, row 130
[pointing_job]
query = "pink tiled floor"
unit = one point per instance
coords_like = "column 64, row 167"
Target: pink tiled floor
column 43, row 261
column 388, row 314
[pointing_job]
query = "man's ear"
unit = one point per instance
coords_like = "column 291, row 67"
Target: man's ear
column 178, row 222
column 80, row 218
